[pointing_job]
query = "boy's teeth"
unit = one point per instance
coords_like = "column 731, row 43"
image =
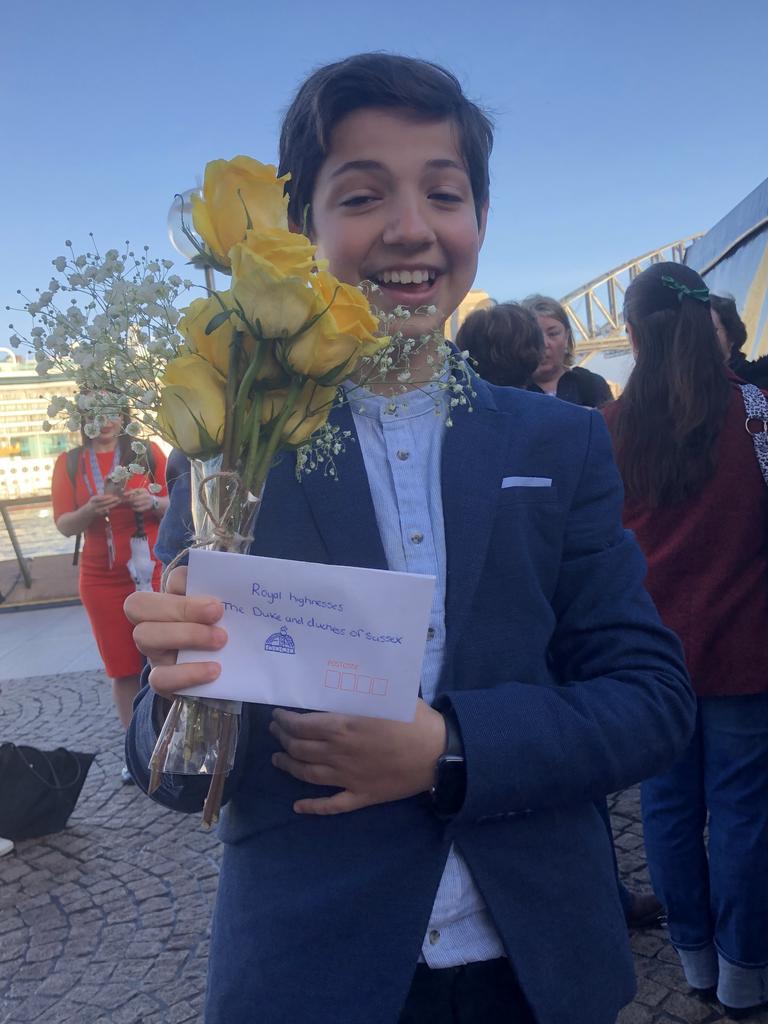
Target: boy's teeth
column 406, row 276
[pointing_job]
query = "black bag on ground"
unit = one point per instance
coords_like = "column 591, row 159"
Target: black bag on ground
column 38, row 789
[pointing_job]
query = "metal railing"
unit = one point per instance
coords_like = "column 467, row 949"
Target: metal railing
column 595, row 309
column 9, row 503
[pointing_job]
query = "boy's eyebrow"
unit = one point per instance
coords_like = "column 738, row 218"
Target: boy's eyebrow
column 358, row 165
column 375, row 165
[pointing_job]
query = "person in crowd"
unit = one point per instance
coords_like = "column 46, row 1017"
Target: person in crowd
column 505, row 343
column 86, row 501
column 698, row 504
column 453, row 868
column 556, row 375
column 732, row 335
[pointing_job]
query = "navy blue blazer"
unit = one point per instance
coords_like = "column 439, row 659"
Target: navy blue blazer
column 566, row 687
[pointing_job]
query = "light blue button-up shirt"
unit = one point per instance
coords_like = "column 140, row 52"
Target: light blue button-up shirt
column 401, row 440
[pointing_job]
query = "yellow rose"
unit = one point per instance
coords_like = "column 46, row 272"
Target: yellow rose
column 349, row 308
column 214, row 346
column 292, row 254
column 331, row 349
column 192, row 405
column 230, row 188
column 309, row 413
column 280, row 304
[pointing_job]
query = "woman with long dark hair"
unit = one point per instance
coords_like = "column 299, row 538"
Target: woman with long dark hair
column 698, row 503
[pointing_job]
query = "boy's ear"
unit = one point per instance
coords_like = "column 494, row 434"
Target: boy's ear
column 483, row 224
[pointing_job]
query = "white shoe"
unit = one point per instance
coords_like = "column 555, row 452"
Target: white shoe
column 6, row 846
column 126, row 777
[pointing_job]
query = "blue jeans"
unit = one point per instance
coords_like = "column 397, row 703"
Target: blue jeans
column 716, row 894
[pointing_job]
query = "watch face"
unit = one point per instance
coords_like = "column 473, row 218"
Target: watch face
column 450, row 784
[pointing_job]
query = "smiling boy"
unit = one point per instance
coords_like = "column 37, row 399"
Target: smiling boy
column 452, row 869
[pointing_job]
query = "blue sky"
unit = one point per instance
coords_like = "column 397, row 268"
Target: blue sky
column 620, row 126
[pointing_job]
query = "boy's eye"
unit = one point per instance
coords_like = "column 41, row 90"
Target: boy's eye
column 446, row 197
column 354, row 201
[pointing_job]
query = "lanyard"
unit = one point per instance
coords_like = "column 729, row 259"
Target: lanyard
column 98, row 481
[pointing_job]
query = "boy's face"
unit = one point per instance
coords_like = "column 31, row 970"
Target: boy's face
column 393, row 204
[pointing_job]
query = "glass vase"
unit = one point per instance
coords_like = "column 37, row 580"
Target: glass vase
column 199, row 736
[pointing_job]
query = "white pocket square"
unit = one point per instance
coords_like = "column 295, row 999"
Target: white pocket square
column 526, row 481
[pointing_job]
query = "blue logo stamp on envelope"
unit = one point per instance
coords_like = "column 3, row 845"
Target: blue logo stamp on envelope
column 280, row 643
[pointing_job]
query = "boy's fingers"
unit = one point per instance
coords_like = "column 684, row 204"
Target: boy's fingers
column 162, row 641
column 317, row 774
column 308, row 751
column 177, row 580
column 317, row 725
column 339, row 803
column 168, row 679
column 147, row 606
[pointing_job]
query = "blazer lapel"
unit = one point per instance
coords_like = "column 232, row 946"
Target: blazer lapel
column 475, row 449
column 342, row 506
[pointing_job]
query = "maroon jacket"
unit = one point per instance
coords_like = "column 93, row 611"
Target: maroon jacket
column 708, row 564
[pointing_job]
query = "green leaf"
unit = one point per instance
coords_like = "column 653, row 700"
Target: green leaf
column 215, row 322
column 248, row 221
column 332, row 376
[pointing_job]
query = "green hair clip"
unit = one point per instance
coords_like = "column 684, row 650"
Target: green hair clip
column 700, row 294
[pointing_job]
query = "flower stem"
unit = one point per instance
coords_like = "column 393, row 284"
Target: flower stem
column 253, row 444
column 228, row 452
column 276, row 436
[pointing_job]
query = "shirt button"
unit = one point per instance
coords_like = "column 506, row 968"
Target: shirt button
column 431, row 633
column 434, row 937
column 403, row 455
column 417, row 538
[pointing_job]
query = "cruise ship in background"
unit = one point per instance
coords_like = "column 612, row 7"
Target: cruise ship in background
column 27, row 452
column 38, row 569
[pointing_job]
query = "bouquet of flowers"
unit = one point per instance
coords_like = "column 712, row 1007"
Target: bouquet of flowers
column 243, row 374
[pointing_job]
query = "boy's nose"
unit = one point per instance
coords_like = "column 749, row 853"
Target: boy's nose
column 408, row 227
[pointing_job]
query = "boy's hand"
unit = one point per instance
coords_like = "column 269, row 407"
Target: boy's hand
column 374, row 761
column 165, row 623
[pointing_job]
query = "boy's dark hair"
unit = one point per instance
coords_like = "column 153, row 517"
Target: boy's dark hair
column 543, row 305
column 733, row 325
column 382, row 80
column 505, row 341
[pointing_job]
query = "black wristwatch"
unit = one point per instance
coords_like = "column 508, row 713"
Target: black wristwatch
column 450, row 784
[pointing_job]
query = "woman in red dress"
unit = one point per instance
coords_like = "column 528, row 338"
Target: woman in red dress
column 108, row 515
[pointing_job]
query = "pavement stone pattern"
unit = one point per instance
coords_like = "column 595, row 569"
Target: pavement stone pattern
column 107, row 922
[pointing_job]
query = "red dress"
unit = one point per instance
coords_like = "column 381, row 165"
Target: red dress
column 103, row 590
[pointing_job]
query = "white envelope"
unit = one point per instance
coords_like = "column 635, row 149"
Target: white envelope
column 321, row 637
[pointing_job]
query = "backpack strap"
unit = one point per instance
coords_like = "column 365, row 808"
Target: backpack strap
column 756, row 424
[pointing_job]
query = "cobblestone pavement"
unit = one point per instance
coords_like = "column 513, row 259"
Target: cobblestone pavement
column 108, row 920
